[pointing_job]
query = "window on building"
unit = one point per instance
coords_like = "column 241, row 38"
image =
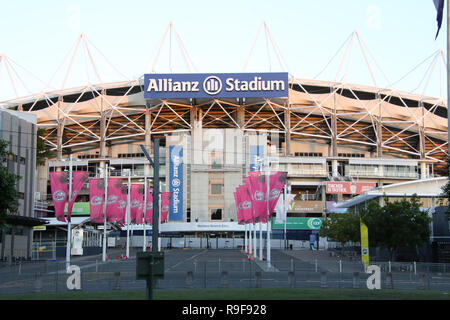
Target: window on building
column 216, row 214
column 216, row 188
column 216, row 161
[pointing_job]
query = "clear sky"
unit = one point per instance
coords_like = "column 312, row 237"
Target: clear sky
column 39, row 37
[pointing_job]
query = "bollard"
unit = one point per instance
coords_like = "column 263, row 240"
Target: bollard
column 116, row 285
column 291, row 278
column 189, row 279
column 224, row 279
column 355, row 280
column 258, row 279
column 390, row 281
column 425, row 283
column 38, row 283
column 323, row 279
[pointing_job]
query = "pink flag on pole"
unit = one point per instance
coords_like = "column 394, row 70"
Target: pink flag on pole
column 137, row 203
column 79, row 178
column 277, row 181
column 59, row 184
column 96, row 196
column 166, row 198
column 116, row 203
column 239, row 215
column 149, row 209
column 246, row 204
column 256, row 184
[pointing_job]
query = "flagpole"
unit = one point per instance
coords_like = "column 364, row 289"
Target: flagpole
column 245, row 237
column 104, row 212
column 144, row 245
column 260, row 226
column 127, row 216
column 448, row 75
column 69, row 224
column 285, row 214
column 159, row 218
column 268, row 214
column 254, row 239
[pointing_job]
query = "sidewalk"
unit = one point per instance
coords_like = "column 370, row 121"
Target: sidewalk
column 323, row 258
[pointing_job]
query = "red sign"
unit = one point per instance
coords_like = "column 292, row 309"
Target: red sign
column 349, row 187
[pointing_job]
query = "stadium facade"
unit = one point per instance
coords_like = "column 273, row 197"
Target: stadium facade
column 320, row 132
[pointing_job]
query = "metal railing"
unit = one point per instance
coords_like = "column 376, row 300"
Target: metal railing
column 119, row 274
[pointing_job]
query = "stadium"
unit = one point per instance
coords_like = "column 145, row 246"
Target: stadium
column 322, row 131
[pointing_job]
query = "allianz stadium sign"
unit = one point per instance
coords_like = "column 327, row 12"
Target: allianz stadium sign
column 216, row 85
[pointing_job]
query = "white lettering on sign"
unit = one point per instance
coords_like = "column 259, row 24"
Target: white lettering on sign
column 74, row 280
column 213, row 85
column 164, row 85
column 374, row 280
column 257, row 84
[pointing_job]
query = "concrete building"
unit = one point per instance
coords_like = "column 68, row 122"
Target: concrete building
column 19, row 129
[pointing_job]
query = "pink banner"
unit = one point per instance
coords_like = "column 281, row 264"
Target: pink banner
column 149, row 209
column 166, row 198
column 79, row 178
column 256, row 183
column 239, row 214
column 59, row 184
column 246, row 204
column 117, row 201
column 96, row 196
column 349, row 187
column 277, row 181
column 137, row 203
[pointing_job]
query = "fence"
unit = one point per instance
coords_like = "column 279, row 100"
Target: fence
column 118, row 274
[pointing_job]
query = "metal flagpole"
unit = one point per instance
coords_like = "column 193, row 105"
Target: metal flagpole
column 285, row 208
column 69, row 224
column 254, row 239
column 127, row 216
column 104, row 213
column 268, row 213
column 448, row 75
column 144, row 245
column 159, row 219
column 245, row 237
column 250, row 239
column 260, row 228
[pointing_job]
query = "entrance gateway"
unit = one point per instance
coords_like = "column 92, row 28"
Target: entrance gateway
column 206, row 86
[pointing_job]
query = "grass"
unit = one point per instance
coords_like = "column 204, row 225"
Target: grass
column 242, row 294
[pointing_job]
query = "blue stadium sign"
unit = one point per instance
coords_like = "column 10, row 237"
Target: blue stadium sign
column 217, row 85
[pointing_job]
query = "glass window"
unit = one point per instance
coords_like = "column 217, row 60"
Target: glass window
column 216, row 214
column 216, row 188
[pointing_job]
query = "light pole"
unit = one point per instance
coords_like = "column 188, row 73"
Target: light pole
column 69, row 224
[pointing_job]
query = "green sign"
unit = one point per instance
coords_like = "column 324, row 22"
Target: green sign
column 79, row 209
column 298, row 223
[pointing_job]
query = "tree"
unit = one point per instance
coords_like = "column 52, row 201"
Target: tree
column 397, row 224
column 42, row 151
column 8, row 181
column 446, row 190
column 341, row 227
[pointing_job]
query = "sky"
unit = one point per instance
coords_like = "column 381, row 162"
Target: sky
column 319, row 39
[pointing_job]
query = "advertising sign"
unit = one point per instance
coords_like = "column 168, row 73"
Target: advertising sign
column 176, row 182
column 364, row 244
column 216, row 85
column 77, row 242
column 334, row 187
column 256, row 156
column 298, row 223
